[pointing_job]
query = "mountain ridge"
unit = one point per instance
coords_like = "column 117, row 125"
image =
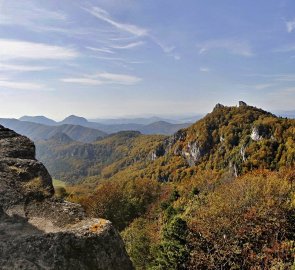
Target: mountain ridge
column 234, row 139
column 159, row 126
column 38, row 131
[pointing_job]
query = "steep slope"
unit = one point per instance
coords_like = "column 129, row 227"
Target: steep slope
column 33, row 222
column 198, row 198
column 40, row 132
column 237, row 138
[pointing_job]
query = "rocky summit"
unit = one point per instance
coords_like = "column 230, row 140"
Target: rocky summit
column 38, row 231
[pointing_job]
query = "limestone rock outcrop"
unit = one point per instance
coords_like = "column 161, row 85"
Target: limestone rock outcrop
column 38, row 231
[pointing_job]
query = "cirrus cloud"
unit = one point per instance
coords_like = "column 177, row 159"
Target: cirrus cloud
column 16, row 49
column 103, row 78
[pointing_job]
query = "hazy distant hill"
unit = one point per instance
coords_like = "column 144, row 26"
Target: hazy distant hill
column 74, row 120
column 39, row 120
column 138, row 120
column 162, row 127
column 288, row 114
column 147, row 120
column 155, row 127
column 40, row 132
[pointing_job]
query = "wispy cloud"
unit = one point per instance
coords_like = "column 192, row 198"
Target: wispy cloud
column 82, row 80
column 103, row 50
column 103, row 78
column 15, row 49
column 134, row 31
column 118, row 78
column 27, row 14
column 232, row 46
column 22, row 68
column 21, row 85
column 290, row 26
column 128, row 46
column 118, row 59
column 105, row 16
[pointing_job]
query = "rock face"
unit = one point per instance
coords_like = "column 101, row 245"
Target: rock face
column 38, row 231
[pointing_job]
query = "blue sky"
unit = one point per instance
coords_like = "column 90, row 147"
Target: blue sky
column 112, row 58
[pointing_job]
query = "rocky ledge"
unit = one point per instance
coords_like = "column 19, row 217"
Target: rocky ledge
column 38, row 231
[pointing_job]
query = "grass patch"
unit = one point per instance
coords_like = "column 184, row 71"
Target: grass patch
column 58, row 183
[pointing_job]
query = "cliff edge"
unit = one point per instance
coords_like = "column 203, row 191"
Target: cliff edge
column 38, row 231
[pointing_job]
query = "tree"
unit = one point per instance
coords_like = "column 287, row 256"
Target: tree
column 173, row 252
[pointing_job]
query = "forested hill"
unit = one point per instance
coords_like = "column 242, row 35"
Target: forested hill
column 241, row 138
column 229, row 139
column 73, row 161
column 217, row 195
column 235, row 139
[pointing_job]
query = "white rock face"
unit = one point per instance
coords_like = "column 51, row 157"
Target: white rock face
column 153, row 156
column 243, row 153
column 255, row 135
column 193, row 153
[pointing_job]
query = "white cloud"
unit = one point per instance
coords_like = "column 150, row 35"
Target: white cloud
column 83, row 80
column 129, row 46
column 118, row 78
column 134, row 30
column 290, row 25
column 103, row 50
column 104, row 78
column 22, row 68
column 27, row 14
column 21, row 85
column 233, row 46
column 118, row 60
column 105, row 16
column 15, row 49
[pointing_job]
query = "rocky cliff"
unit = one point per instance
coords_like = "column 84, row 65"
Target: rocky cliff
column 39, row 232
column 237, row 138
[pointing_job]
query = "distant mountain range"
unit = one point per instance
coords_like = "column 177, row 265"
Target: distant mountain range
column 155, row 127
column 148, row 120
column 38, row 132
column 80, row 129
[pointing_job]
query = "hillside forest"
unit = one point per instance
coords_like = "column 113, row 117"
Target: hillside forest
column 219, row 194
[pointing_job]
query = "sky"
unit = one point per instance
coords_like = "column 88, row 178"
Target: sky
column 118, row 58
